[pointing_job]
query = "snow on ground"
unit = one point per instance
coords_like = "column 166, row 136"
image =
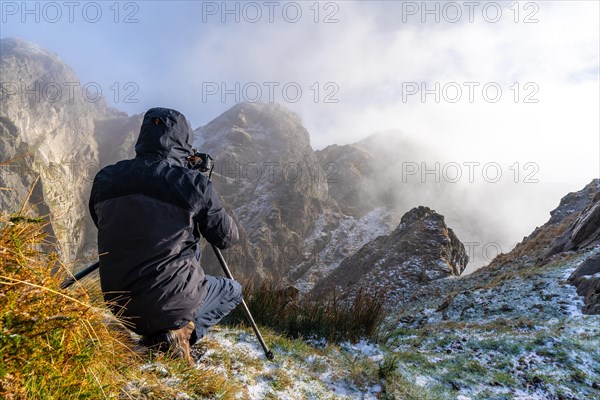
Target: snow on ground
column 329, row 249
column 522, row 336
column 299, row 370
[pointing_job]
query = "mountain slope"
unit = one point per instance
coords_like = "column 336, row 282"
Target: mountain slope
column 47, row 128
column 420, row 250
column 267, row 172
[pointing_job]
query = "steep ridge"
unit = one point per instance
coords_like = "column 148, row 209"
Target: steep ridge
column 267, row 171
column 47, row 130
column 517, row 326
column 525, row 265
column 420, row 250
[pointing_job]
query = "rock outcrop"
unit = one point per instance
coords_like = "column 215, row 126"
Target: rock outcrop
column 420, row 250
column 47, row 128
column 587, row 280
column 266, row 170
column 585, row 230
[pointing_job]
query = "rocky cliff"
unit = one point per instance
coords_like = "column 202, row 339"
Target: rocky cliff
column 420, row 250
column 47, row 129
column 56, row 132
column 267, row 172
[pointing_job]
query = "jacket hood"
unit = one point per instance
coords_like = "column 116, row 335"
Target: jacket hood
column 165, row 134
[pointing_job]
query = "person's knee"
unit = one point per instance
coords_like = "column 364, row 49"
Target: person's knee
column 236, row 293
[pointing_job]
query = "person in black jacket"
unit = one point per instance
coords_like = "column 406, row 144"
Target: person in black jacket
column 150, row 212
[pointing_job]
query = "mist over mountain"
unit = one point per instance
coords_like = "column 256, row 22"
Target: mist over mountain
column 369, row 217
column 302, row 213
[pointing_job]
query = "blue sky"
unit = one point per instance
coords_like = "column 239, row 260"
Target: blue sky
column 361, row 67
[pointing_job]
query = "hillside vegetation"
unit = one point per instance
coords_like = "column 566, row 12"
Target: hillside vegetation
column 518, row 336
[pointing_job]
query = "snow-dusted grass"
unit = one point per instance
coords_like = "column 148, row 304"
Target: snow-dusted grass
column 520, row 336
column 516, row 335
column 512, row 333
column 303, row 371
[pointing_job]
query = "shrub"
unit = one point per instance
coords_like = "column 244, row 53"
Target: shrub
column 311, row 317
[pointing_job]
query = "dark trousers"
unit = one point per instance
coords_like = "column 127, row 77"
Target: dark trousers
column 222, row 296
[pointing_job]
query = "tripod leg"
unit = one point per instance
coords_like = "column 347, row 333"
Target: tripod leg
column 268, row 352
column 68, row 282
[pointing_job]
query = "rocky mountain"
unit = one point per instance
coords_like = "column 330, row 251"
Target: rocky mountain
column 57, row 134
column 341, row 218
column 532, row 271
column 379, row 171
column 394, row 172
column 47, row 129
column 268, row 174
column 420, row 250
column 302, row 213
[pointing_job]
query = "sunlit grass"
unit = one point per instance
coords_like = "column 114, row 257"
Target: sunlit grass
column 64, row 344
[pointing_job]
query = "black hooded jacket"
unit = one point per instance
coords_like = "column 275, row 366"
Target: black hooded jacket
column 150, row 212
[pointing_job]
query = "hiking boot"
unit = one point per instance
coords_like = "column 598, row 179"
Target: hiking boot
column 174, row 342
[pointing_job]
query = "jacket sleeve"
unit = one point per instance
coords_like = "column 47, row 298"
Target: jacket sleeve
column 214, row 223
column 91, row 204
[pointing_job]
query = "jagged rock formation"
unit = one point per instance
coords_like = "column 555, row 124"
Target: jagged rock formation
column 52, row 128
column 585, row 230
column 420, row 250
column 47, row 130
column 267, row 171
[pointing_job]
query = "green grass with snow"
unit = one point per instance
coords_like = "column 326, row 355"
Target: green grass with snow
column 512, row 333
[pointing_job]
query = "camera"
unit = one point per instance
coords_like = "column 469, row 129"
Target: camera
column 202, row 162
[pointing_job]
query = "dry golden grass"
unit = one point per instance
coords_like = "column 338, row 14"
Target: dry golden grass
column 537, row 242
column 53, row 344
column 62, row 344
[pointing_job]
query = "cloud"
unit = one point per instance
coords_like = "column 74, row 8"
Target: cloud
column 367, row 61
column 371, row 56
